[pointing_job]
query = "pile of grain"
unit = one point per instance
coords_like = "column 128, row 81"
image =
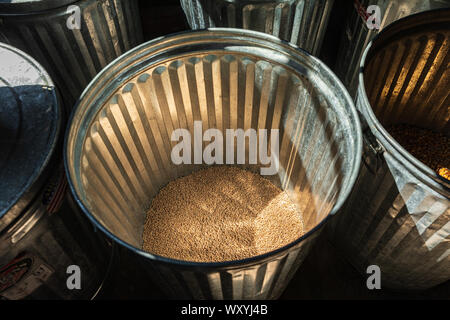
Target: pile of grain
column 431, row 148
column 220, row 214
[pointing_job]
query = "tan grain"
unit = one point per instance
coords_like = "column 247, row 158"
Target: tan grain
column 220, row 214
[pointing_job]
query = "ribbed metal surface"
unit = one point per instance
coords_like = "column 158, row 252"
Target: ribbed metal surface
column 301, row 22
column 118, row 148
column 73, row 57
column 126, row 154
column 262, row 280
column 356, row 35
column 398, row 216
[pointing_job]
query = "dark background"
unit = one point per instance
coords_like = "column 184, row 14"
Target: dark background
column 324, row 274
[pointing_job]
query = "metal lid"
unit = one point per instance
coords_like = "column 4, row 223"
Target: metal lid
column 29, row 128
column 27, row 6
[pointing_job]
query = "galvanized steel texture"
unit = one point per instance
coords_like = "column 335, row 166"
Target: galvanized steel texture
column 73, row 57
column 118, row 147
column 301, row 22
column 398, row 216
column 356, row 35
column 37, row 240
column 261, row 279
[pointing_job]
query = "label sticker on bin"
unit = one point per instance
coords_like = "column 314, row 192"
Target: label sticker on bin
column 22, row 276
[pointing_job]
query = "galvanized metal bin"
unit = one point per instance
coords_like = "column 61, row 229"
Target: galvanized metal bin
column 301, row 22
column 40, row 234
column 117, row 152
column 73, row 40
column 356, row 35
column 398, row 215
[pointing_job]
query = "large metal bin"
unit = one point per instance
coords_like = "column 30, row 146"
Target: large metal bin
column 356, row 35
column 73, row 40
column 117, row 152
column 41, row 235
column 398, row 215
column 301, row 22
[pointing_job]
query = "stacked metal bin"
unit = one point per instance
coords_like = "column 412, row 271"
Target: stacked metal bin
column 43, row 235
column 116, row 166
column 73, row 40
column 301, row 22
column 395, row 216
column 398, row 216
column 40, row 234
column 356, row 33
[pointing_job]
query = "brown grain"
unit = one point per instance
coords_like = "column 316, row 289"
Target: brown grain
column 220, row 214
column 431, row 148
